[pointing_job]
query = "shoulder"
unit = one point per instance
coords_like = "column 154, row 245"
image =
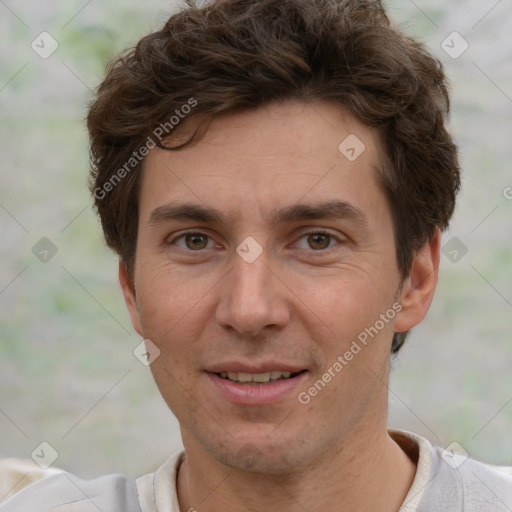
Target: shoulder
column 458, row 482
column 451, row 482
column 65, row 491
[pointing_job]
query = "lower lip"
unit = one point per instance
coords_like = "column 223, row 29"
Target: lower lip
column 256, row 394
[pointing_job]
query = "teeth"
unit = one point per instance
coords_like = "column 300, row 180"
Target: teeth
column 255, row 377
column 259, row 377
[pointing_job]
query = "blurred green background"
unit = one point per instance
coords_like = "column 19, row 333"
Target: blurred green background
column 67, row 372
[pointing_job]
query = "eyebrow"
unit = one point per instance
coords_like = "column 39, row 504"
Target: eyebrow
column 293, row 213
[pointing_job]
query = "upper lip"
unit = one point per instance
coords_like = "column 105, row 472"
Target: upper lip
column 264, row 367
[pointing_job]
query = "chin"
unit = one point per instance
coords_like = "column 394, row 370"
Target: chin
column 260, row 460
column 258, row 455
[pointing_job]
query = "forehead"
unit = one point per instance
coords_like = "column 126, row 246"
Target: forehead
column 271, row 156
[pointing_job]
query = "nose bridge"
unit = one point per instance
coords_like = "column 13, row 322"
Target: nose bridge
column 251, row 298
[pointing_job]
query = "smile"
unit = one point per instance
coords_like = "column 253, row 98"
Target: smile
column 258, row 388
column 257, row 378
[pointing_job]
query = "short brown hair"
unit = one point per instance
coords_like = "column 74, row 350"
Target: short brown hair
column 236, row 54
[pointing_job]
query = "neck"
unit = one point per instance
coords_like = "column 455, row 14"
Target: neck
column 364, row 473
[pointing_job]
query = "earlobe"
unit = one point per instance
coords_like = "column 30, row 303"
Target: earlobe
column 129, row 297
column 418, row 289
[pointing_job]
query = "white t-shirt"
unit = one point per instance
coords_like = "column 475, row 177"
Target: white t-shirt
column 444, row 482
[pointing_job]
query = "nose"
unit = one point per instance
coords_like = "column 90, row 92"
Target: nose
column 252, row 297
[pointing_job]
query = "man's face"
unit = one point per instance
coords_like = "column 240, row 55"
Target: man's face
column 268, row 286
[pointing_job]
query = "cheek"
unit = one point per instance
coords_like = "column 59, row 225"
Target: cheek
column 174, row 310
column 162, row 300
column 347, row 301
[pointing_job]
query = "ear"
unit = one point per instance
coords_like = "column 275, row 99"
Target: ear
column 129, row 297
column 418, row 289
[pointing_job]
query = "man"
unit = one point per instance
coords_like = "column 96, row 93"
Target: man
column 275, row 176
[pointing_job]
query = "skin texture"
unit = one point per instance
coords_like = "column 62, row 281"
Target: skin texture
column 302, row 302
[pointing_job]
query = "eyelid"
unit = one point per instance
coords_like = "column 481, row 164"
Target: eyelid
column 311, row 231
column 171, row 240
column 321, row 231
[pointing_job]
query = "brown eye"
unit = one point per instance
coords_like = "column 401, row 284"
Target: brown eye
column 319, row 240
column 195, row 241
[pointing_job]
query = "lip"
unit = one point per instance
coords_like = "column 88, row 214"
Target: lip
column 255, row 394
column 263, row 367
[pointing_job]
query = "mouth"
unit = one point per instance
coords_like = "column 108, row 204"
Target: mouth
column 258, row 378
column 256, row 388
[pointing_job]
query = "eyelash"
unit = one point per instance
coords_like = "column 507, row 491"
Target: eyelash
column 313, row 232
